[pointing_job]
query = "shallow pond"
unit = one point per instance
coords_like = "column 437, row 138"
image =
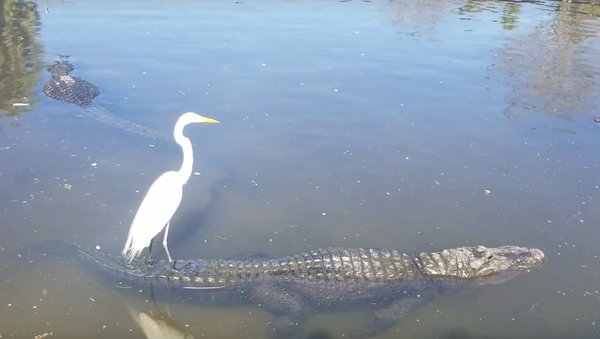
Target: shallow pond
column 409, row 125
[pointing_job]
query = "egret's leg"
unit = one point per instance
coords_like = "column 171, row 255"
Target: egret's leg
column 148, row 260
column 150, row 248
column 165, row 243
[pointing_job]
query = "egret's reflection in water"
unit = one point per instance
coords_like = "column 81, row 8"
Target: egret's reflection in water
column 158, row 325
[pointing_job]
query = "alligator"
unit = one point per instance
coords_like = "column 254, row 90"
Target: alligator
column 396, row 284
column 64, row 87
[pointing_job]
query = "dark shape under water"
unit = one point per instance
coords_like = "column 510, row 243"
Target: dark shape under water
column 80, row 92
column 332, row 278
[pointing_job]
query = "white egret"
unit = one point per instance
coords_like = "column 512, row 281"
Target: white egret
column 163, row 197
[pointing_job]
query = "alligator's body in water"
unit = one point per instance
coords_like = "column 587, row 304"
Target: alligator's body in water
column 331, row 278
column 80, row 92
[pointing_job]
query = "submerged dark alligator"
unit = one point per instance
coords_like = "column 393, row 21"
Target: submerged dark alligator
column 291, row 287
column 78, row 91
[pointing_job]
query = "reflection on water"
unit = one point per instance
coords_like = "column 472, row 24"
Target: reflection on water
column 563, row 48
column 358, row 124
column 158, row 325
column 20, row 58
column 510, row 11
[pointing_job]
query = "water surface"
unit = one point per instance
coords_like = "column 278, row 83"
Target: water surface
column 409, row 125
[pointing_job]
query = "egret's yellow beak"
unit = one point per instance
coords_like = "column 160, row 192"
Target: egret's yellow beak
column 209, row 120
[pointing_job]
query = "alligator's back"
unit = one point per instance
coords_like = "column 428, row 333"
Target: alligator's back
column 69, row 89
column 322, row 277
column 61, row 86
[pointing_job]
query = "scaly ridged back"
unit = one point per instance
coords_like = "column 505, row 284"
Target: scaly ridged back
column 77, row 91
column 330, row 264
column 71, row 89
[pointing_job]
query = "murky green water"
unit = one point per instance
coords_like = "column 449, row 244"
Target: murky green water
column 409, row 125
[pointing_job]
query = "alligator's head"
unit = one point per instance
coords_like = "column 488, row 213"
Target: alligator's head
column 60, row 68
column 481, row 265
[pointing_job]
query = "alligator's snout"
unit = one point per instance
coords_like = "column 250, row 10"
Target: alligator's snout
column 537, row 258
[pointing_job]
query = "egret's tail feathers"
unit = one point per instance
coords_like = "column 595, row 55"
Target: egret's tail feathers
column 131, row 253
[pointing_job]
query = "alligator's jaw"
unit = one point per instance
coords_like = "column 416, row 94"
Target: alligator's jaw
column 468, row 267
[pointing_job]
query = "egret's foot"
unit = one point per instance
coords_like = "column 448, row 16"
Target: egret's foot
column 174, row 266
column 150, row 262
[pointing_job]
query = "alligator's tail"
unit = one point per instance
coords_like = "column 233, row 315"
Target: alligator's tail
column 46, row 247
column 103, row 115
column 102, row 268
column 68, row 252
column 109, row 269
column 23, row 258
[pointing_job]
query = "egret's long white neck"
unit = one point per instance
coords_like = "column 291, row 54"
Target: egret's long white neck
column 188, row 153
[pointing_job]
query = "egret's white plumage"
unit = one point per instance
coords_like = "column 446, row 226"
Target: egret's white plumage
column 164, row 196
